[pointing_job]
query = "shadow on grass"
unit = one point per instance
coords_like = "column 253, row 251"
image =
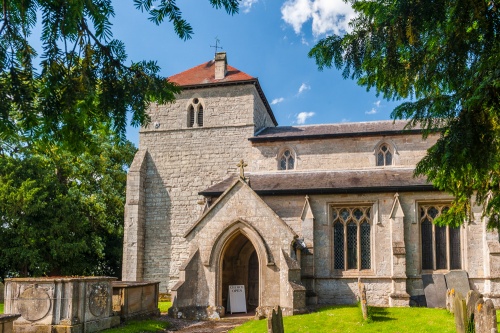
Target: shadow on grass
column 380, row 314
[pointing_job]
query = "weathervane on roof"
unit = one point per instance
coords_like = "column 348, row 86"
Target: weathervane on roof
column 217, row 47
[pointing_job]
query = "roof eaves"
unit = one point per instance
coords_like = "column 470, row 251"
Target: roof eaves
column 346, row 190
column 331, row 135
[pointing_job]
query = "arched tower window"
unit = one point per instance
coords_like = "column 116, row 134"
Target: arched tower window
column 200, row 116
column 384, row 155
column 190, row 116
column 287, row 160
column 195, row 113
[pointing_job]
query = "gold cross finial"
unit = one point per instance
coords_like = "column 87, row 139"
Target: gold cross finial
column 242, row 166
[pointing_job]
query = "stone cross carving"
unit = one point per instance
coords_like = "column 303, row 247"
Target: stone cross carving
column 242, row 166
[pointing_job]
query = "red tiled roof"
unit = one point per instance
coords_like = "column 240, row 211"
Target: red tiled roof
column 205, row 73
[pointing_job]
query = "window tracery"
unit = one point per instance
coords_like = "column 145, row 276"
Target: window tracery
column 351, row 237
column 287, row 160
column 195, row 113
column 384, row 155
column 441, row 247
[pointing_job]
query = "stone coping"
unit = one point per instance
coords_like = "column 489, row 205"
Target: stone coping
column 5, row 318
column 61, row 278
column 124, row 284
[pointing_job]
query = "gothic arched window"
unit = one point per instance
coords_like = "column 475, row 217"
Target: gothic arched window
column 286, row 160
column 351, row 237
column 384, row 155
column 440, row 244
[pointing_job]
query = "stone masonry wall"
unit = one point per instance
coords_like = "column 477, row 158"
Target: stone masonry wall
column 340, row 153
column 182, row 161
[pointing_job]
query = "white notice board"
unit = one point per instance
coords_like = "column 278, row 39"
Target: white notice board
column 236, row 301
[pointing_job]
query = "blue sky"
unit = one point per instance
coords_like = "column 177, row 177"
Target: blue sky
column 268, row 39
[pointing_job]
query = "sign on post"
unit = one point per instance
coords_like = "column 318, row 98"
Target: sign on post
column 236, row 301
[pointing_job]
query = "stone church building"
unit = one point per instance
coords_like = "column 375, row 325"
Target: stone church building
column 218, row 194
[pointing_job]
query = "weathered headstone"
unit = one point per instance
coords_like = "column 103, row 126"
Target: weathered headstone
column 458, row 280
column 450, row 294
column 471, row 300
column 460, row 312
column 362, row 300
column 485, row 317
column 275, row 322
column 434, row 290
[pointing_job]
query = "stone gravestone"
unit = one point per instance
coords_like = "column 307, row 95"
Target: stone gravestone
column 434, row 290
column 460, row 312
column 485, row 317
column 450, row 294
column 275, row 322
column 458, row 280
column 471, row 300
column 362, row 300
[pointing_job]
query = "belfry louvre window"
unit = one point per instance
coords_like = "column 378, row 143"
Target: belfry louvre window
column 440, row 244
column 384, row 155
column 287, row 161
column 351, row 237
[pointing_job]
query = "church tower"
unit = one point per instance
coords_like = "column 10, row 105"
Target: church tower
column 189, row 145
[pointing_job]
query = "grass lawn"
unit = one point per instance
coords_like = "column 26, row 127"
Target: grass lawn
column 1, row 308
column 136, row 326
column 349, row 319
column 164, row 306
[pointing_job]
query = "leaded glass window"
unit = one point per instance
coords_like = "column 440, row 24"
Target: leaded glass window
column 365, row 246
column 441, row 247
column 287, row 161
column 338, row 243
column 384, row 155
column 352, row 245
column 200, row 116
column 190, row 116
column 351, row 237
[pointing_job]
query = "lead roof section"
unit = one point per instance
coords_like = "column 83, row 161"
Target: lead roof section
column 342, row 130
column 328, row 182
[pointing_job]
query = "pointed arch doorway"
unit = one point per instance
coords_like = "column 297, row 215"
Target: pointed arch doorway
column 239, row 265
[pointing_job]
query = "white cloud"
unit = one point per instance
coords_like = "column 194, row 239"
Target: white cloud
column 302, row 117
column 303, row 87
column 277, row 100
column 247, row 5
column 327, row 15
column 304, row 41
column 375, row 109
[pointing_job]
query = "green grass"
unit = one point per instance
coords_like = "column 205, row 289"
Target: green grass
column 164, row 306
column 140, row 326
column 348, row 319
column 1, row 308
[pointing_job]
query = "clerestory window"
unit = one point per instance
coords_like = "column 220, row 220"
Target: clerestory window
column 190, row 116
column 384, row 155
column 441, row 247
column 351, row 237
column 287, row 160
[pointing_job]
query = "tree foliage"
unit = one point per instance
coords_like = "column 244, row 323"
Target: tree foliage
column 83, row 77
column 443, row 58
column 61, row 212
